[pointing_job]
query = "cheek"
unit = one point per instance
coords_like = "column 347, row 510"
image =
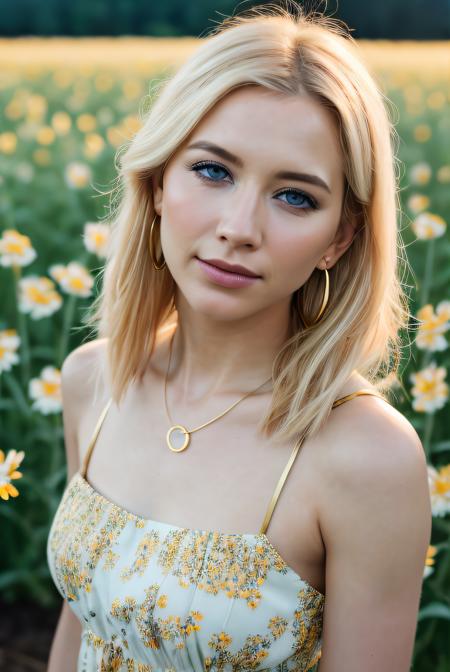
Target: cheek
column 295, row 254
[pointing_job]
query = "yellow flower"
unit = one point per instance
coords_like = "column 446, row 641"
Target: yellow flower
column 428, row 225
column 45, row 135
column 429, row 561
column 132, row 88
column 443, row 173
column 430, row 391
column 434, row 325
column 96, row 238
column 436, row 100
column 8, row 142
column 418, row 202
column 61, row 122
column 73, row 278
column 103, row 82
column 93, row 145
column 16, row 249
column 86, row 122
column 42, row 157
column 46, row 391
column 38, row 297
column 439, row 484
column 9, row 344
column 8, row 471
column 36, row 107
column 77, row 175
column 422, row 132
column 420, row 173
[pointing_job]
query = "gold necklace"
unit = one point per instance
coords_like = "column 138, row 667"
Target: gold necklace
column 178, row 434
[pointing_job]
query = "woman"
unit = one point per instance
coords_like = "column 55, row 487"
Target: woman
column 249, row 308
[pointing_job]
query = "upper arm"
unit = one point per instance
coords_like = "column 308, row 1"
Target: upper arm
column 76, row 381
column 375, row 518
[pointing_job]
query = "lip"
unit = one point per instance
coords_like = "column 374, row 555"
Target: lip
column 225, row 278
column 231, row 268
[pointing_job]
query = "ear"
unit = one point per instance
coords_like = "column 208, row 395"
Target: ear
column 157, row 191
column 351, row 221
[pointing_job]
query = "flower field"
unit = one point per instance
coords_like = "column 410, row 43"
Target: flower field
column 68, row 106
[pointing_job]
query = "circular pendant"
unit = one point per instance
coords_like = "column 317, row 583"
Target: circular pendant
column 178, row 438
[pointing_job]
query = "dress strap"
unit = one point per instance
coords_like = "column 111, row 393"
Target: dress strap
column 294, row 453
column 88, row 453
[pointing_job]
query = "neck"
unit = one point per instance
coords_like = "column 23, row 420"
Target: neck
column 223, row 358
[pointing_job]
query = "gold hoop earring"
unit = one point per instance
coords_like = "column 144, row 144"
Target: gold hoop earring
column 326, row 295
column 156, row 263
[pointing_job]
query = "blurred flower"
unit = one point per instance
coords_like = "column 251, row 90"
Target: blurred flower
column 86, row 122
column 73, row 279
column 63, row 78
column 93, row 145
column 132, row 88
column 14, row 109
column 8, row 142
column 77, row 175
column 436, row 100
column 45, row 135
column 439, row 484
column 9, row 344
column 36, row 107
column 131, row 125
column 8, row 472
column 418, row 202
column 427, row 225
column 115, row 136
column 443, row 173
column 103, row 82
column 96, row 238
column 46, row 391
column 434, row 325
column 420, row 173
column 429, row 562
column 430, row 391
column 422, row 132
column 16, row 249
column 24, row 171
column 42, row 157
column 61, row 122
column 38, row 297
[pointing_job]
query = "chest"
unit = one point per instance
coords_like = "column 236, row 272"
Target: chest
column 224, row 480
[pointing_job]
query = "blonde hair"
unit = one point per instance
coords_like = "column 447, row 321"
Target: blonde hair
column 295, row 53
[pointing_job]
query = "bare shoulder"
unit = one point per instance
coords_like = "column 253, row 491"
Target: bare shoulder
column 81, row 381
column 84, row 368
column 375, row 519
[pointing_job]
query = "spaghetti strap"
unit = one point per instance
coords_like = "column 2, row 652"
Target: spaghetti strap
column 87, row 456
column 294, row 453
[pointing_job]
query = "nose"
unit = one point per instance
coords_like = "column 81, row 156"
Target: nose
column 241, row 224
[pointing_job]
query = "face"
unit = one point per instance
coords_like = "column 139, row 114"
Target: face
column 227, row 199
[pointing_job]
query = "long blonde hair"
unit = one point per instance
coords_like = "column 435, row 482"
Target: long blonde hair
column 291, row 52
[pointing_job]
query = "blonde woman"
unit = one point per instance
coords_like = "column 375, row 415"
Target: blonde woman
column 240, row 494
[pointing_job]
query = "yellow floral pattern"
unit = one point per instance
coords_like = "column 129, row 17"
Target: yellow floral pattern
column 156, row 597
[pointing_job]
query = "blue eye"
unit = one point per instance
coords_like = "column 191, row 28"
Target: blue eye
column 210, row 165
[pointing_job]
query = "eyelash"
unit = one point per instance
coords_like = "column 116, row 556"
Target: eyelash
column 204, row 164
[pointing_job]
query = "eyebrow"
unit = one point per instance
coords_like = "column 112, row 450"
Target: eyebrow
column 284, row 174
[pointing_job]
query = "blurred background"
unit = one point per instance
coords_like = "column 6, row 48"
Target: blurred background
column 75, row 83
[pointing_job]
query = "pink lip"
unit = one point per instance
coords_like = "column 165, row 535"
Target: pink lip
column 226, row 278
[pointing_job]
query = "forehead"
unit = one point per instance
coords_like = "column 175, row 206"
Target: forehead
column 274, row 128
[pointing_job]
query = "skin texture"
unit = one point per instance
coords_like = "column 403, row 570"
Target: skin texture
column 242, row 216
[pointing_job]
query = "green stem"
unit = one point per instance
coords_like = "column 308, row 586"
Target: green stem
column 429, row 423
column 426, row 284
column 23, row 331
column 68, row 319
